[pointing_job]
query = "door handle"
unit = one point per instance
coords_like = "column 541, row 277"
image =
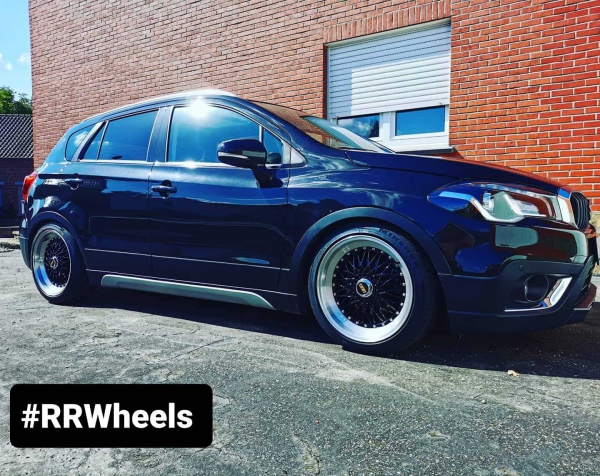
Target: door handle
column 74, row 183
column 164, row 190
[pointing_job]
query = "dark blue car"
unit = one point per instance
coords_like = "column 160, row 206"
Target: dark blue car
column 206, row 195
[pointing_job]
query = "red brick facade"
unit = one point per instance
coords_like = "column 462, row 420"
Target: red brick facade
column 525, row 81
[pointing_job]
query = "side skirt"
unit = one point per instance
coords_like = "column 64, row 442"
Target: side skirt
column 235, row 296
column 250, row 297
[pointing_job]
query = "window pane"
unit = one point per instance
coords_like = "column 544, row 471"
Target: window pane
column 364, row 126
column 197, row 130
column 421, row 121
column 274, row 148
column 91, row 151
column 75, row 141
column 128, row 138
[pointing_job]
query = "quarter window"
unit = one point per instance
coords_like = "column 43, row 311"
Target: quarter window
column 91, row 150
column 128, row 138
column 75, row 140
column 274, row 148
column 197, row 130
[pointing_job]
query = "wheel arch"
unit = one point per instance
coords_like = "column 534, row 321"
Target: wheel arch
column 47, row 217
column 309, row 243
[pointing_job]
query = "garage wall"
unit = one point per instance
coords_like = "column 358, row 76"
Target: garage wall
column 524, row 82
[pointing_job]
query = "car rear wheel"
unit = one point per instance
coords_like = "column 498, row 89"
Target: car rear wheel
column 373, row 290
column 57, row 266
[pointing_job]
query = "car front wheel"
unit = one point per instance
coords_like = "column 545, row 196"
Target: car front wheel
column 373, row 290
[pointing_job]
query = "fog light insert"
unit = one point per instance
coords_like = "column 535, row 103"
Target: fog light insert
column 536, row 288
column 528, row 289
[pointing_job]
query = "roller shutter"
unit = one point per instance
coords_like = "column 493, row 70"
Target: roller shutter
column 407, row 69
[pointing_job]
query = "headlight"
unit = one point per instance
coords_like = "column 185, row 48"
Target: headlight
column 503, row 203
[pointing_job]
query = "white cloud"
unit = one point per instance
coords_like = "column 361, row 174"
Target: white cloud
column 25, row 58
column 7, row 65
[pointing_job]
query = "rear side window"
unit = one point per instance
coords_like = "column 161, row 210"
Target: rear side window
column 128, row 138
column 75, row 140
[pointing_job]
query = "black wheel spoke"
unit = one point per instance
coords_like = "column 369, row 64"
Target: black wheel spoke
column 57, row 262
column 368, row 284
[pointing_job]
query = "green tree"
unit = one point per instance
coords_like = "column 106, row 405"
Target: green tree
column 9, row 104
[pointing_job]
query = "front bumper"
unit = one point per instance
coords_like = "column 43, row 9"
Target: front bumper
column 484, row 304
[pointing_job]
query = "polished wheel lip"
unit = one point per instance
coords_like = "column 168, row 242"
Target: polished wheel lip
column 40, row 273
column 327, row 300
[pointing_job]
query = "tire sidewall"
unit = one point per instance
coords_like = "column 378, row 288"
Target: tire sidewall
column 412, row 328
column 76, row 286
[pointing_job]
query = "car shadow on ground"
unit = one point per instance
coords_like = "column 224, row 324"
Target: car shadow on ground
column 571, row 351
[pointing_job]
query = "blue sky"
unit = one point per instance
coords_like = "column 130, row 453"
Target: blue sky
column 15, row 49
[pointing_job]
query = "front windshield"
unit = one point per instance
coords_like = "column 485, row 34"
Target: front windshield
column 323, row 131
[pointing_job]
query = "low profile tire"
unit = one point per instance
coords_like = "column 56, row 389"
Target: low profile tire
column 57, row 266
column 373, row 291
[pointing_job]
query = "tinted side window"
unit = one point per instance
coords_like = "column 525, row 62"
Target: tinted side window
column 128, row 138
column 197, row 130
column 91, row 150
column 274, row 148
column 75, row 141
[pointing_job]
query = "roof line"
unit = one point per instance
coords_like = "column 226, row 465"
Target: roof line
column 194, row 92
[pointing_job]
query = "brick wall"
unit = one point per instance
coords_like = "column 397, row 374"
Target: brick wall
column 525, row 88
column 11, row 172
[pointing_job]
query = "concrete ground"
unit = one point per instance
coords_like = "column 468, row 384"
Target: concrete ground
column 289, row 402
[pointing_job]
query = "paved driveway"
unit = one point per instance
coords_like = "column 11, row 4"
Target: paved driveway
column 287, row 401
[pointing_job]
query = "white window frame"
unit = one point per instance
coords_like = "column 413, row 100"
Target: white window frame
column 408, row 142
column 425, row 141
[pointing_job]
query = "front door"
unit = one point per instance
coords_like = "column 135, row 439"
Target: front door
column 213, row 223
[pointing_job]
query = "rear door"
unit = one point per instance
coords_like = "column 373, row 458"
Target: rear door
column 106, row 187
column 218, row 224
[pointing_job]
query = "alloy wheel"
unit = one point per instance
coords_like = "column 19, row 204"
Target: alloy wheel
column 364, row 289
column 51, row 262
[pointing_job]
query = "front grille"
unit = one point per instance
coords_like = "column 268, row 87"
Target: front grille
column 581, row 210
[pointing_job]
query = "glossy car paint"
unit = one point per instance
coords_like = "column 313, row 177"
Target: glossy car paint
column 223, row 227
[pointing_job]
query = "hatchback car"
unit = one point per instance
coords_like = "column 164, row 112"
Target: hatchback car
column 206, row 195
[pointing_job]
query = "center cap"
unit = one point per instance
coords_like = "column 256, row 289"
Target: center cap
column 364, row 287
column 54, row 262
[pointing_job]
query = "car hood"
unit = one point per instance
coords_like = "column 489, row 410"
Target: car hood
column 459, row 169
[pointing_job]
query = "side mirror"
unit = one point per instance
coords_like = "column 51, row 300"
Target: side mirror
column 274, row 158
column 244, row 153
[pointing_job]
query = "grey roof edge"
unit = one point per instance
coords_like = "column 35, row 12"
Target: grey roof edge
column 165, row 97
